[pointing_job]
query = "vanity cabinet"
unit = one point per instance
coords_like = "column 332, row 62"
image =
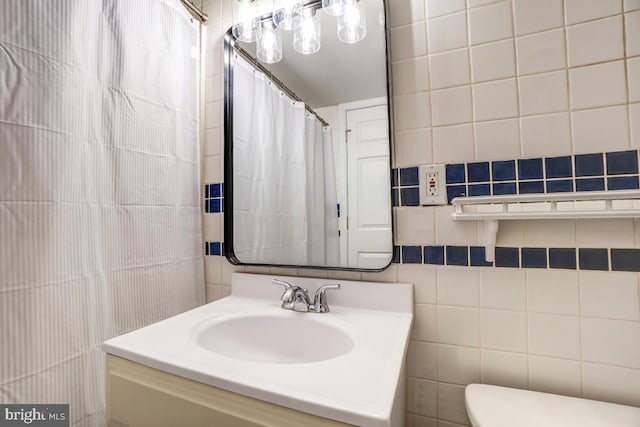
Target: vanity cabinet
column 139, row 396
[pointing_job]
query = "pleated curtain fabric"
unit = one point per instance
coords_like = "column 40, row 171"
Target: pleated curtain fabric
column 99, row 188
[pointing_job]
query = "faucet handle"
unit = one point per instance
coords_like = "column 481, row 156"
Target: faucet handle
column 320, row 299
column 289, row 289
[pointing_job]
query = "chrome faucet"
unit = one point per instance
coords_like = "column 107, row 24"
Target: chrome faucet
column 295, row 296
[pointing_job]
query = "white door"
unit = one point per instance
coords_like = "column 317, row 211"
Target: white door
column 369, row 193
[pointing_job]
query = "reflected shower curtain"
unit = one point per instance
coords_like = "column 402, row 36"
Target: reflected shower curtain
column 284, row 178
column 322, row 245
column 269, row 171
column 99, row 180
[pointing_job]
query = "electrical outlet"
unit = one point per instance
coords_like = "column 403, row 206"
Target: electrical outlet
column 432, row 180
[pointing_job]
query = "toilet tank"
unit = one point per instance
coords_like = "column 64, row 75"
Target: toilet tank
column 493, row 406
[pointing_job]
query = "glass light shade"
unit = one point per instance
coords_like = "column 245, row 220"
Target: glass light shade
column 284, row 13
column 333, row 7
column 352, row 24
column 269, row 47
column 306, row 33
column 246, row 20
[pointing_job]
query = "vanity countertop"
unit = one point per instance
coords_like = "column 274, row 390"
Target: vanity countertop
column 357, row 387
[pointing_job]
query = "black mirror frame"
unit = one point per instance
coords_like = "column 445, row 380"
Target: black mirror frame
column 228, row 251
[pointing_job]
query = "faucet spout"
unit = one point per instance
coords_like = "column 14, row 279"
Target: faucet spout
column 297, row 298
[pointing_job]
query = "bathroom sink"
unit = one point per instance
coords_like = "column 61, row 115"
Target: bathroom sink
column 345, row 365
column 282, row 338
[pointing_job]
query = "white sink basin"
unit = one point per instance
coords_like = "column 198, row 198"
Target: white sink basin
column 275, row 338
column 345, row 365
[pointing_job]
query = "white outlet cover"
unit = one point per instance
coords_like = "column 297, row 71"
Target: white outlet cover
column 440, row 198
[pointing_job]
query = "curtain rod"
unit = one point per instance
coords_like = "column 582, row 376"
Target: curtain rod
column 195, row 11
column 277, row 81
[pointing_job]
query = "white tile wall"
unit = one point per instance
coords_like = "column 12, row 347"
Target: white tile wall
column 586, row 10
column 449, row 69
column 536, row 16
column 493, row 61
column 546, row 135
column 598, row 85
column 451, row 106
column 595, row 41
column 543, row 93
column 541, row 52
column 592, row 127
column 498, row 140
column 495, row 100
column 490, row 23
column 493, row 95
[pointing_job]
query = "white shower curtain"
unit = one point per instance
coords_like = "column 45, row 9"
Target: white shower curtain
column 284, row 179
column 269, row 171
column 99, row 188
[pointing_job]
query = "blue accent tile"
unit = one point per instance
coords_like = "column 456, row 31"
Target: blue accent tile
column 559, row 167
column 216, row 248
column 206, row 248
column 562, row 258
column 504, row 188
column 560, row 186
column 206, row 206
column 530, row 168
column 478, row 257
column 529, row 187
column 458, row 255
column 394, row 177
column 214, row 190
column 622, row 162
column 480, row 190
column 434, row 255
column 409, row 176
column 396, row 255
column 455, row 174
column 206, row 191
column 534, row 258
column 394, row 197
column 625, row 259
column 222, row 189
column 412, row 254
column 504, row 170
column 507, row 257
column 589, row 165
column 410, row 196
column 454, row 191
column 590, row 184
column 478, row 172
column 593, row 259
column 221, row 205
column 622, row 183
column 215, row 205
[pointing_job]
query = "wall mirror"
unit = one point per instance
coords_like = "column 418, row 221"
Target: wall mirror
column 307, row 148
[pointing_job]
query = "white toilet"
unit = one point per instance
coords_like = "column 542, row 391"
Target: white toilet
column 493, row 406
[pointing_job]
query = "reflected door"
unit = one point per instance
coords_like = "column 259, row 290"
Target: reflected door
column 369, row 210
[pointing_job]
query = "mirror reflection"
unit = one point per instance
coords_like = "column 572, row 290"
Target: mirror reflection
column 307, row 145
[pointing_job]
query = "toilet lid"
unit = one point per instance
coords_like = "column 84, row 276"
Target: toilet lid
column 493, row 406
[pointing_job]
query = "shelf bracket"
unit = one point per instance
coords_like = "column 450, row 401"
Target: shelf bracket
column 488, row 235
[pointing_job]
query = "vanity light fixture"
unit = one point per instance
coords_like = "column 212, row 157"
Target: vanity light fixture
column 262, row 21
column 352, row 24
column 307, row 31
column 284, row 12
column 246, row 20
column 333, row 7
column 269, row 48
